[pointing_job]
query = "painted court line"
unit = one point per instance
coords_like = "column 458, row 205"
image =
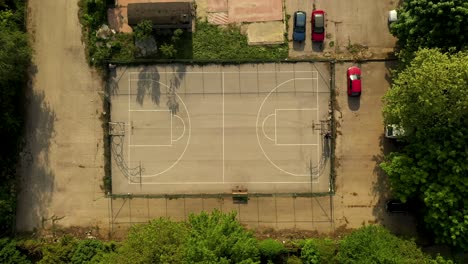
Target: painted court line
column 263, row 127
column 219, row 72
column 223, row 122
column 183, row 132
column 211, row 183
column 144, row 146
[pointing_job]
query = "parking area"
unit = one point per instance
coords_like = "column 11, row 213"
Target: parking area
column 353, row 28
column 256, row 128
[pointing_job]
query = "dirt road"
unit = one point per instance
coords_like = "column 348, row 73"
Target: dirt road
column 62, row 165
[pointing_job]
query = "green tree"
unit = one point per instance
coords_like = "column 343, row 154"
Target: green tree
column 432, row 24
column 429, row 99
column 15, row 55
column 374, row 244
column 219, row 238
column 160, row 241
column 9, row 254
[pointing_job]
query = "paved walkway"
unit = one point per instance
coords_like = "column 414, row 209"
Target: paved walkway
column 63, row 163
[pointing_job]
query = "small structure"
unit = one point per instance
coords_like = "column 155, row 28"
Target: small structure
column 164, row 15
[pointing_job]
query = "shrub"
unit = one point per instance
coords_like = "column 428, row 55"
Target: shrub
column 168, row 50
column 309, row 253
column 59, row 252
column 293, row 260
column 10, row 254
column 271, row 249
column 143, row 30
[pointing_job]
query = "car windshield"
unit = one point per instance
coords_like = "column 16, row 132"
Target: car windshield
column 300, row 22
column 318, row 23
column 354, row 77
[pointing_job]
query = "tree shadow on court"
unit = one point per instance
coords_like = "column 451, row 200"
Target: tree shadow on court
column 148, row 84
column 175, row 79
column 113, row 79
column 36, row 180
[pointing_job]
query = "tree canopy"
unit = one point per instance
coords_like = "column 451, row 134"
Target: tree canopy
column 432, row 24
column 15, row 55
column 219, row 238
column 160, row 241
column 374, row 244
column 429, row 99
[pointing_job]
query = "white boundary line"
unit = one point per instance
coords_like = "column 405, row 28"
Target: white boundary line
column 318, row 116
column 225, row 182
column 144, row 146
column 222, row 84
column 130, row 127
column 183, row 132
column 228, row 72
column 257, row 127
column 188, row 140
column 171, row 125
column 314, row 73
column 263, row 127
column 149, row 110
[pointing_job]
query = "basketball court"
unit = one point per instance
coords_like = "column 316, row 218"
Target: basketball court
column 255, row 128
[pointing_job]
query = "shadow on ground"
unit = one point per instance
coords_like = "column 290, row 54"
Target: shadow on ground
column 36, row 179
column 354, row 103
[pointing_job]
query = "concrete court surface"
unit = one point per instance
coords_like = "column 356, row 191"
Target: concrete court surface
column 214, row 129
column 362, row 22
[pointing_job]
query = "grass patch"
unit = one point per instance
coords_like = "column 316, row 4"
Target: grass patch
column 211, row 42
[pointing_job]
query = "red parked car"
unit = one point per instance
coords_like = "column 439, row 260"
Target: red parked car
column 354, row 81
column 318, row 25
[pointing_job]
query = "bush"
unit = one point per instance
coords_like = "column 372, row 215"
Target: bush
column 324, row 249
column 375, row 244
column 59, row 252
column 143, row 30
column 293, row 260
column 10, row 254
column 219, row 238
column 309, row 253
column 160, row 241
column 168, row 50
column 271, row 249
column 88, row 251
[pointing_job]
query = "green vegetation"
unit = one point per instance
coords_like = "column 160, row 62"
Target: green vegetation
column 207, row 43
column 215, row 238
column 431, row 24
column 108, row 45
column 219, row 238
column 10, row 254
column 210, row 42
column 143, row 30
column 15, row 56
column 318, row 251
column 160, row 241
column 374, row 244
column 430, row 100
column 271, row 250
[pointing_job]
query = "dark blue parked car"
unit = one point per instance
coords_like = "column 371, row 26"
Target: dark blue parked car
column 299, row 30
